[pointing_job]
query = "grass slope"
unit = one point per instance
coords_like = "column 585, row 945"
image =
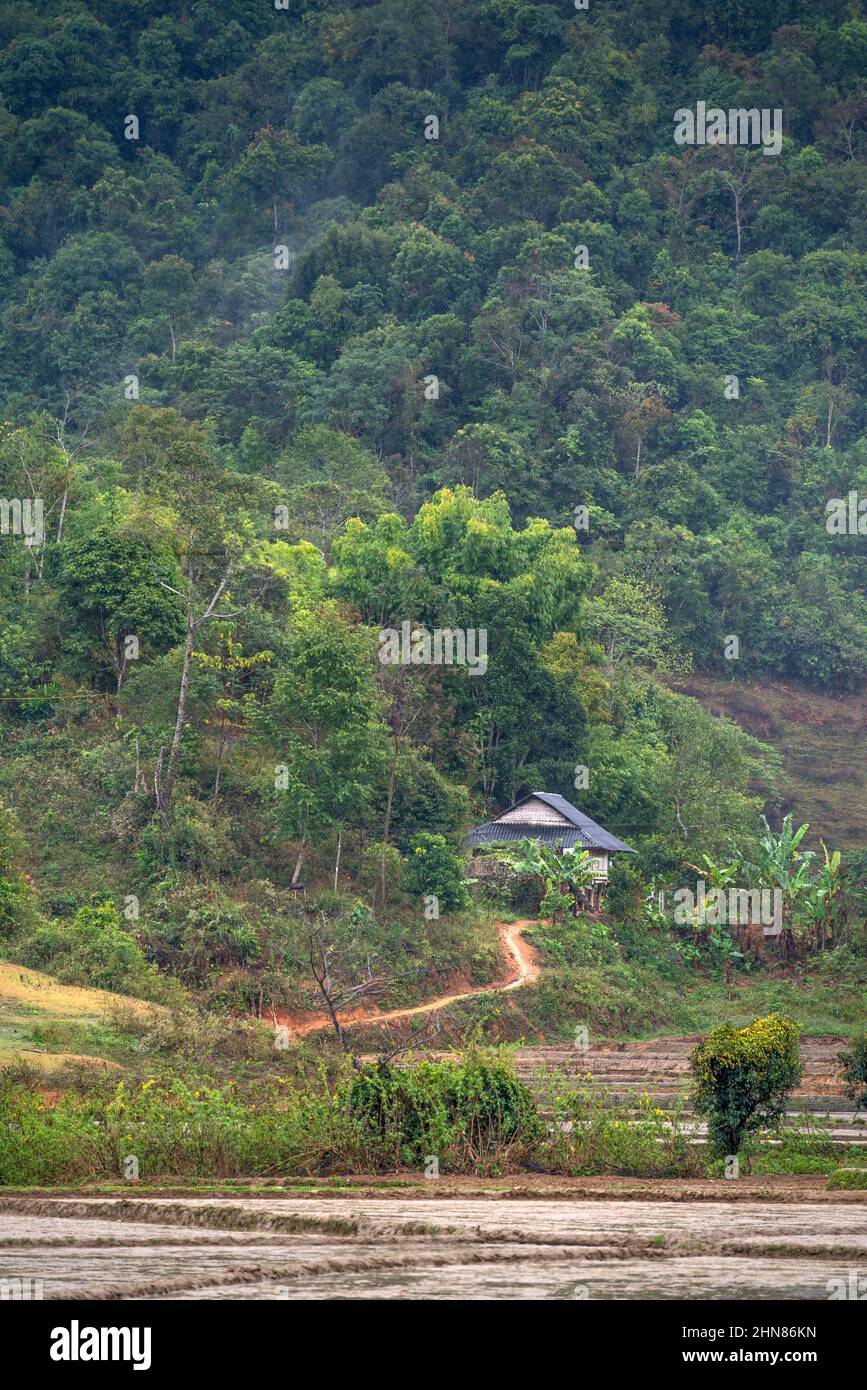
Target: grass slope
column 820, row 739
column 35, row 1008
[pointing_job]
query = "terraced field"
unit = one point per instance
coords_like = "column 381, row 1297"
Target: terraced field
column 820, row 739
column 444, row 1240
column 661, row 1067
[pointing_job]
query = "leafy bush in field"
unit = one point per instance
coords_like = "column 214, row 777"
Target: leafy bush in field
column 473, row 1116
column 433, row 867
column 588, row 1136
column 743, row 1078
column 469, row 1114
column 35, row 1146
column 95, row 949
column 848, row 1180
column 803, row 1145
column 853, row 1063
column 174, row 1129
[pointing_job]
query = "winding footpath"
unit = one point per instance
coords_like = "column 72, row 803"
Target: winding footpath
column 522, row 969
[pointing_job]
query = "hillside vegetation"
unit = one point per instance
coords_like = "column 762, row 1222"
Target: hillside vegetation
column 343, row 320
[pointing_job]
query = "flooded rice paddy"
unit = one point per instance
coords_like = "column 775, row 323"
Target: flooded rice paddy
column 486, row 1245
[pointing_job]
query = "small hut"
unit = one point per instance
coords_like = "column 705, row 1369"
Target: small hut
column 556, row 823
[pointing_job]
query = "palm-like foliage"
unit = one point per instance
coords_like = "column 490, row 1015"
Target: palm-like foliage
column 718, row 875
column 564, row 872
column 809, row 892
column 783, row 864
column 822, row 897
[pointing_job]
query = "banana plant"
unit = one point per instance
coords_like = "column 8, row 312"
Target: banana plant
column 718, row 875
column 782, row 863
column 564, row 873
column 820, row 901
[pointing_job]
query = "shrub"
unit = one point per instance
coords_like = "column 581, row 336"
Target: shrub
column 171, row 1129
column 743, row 1078
column 848, row 1180
column 575, row 941
column 195, row 840
column 95, row 949
column 434, row 868
column 853, row 1063
column 590, row 1136
column 474, row 1116
column 471, row 1115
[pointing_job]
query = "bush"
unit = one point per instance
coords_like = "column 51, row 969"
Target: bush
column 848, row 1180
column 591, row 1136
column 174, row 1129
column 470, row 1115
column 853, row 1063
column 194, row 840
column 473, row 1116
column 575, row 941
column 434, row 869
column 743, row 1078
column 95, row 949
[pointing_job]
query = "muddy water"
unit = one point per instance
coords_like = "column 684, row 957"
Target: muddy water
column 804, row 1223
column 534, row 1279
column 397, row 1247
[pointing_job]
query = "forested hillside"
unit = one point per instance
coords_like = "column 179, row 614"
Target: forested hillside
column 330, row 318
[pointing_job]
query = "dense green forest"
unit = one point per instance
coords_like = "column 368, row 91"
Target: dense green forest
column 321, row 319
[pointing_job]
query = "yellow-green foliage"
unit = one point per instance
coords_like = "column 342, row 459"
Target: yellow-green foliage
column 756, row 1045
column 743, row 1077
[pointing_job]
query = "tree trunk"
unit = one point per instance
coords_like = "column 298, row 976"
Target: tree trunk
column 298, row 862
column 221, row 750
column 337, row 860
column 61, row 517
column 392, row 779
column 183, row 697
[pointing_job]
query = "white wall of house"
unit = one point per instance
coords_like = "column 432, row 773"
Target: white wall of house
column 599, row 864
column 534, row 812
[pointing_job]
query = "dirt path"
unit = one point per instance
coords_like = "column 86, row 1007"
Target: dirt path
column 522, row 967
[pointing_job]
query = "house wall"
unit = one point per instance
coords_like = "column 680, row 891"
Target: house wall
column 534, row 812
column 599, row 863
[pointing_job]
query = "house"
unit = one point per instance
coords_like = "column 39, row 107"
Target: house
column 557, row 823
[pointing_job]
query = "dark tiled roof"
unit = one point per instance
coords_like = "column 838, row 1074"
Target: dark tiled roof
column 581, row 831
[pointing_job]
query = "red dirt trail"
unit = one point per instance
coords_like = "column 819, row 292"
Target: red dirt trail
column 522, row 965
